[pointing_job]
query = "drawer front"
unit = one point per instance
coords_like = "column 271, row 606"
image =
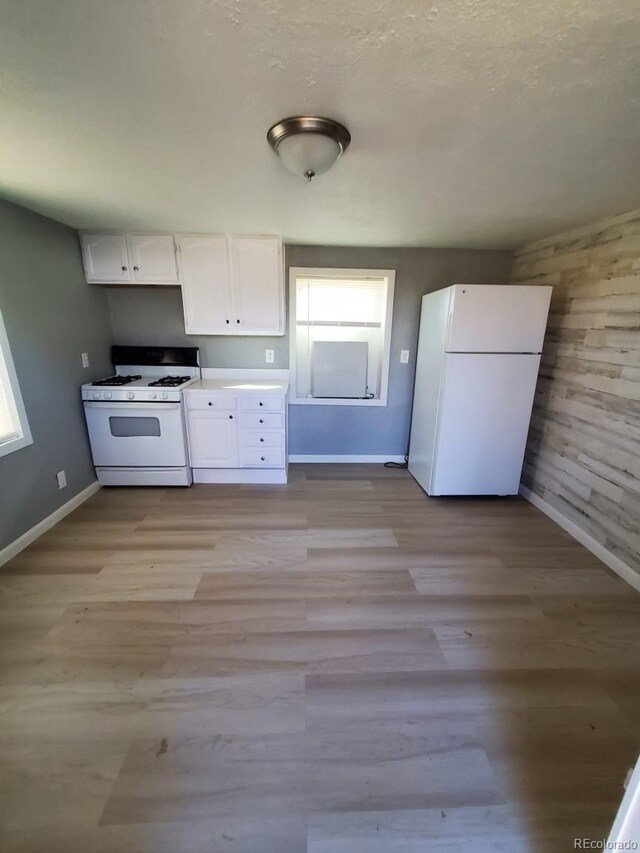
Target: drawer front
column 200, row 400
column 262, row 438
column 266, row 403
column 262, row 420
column 268, row 458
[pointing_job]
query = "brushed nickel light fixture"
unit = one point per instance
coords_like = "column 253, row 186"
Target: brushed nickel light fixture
column 308, row 145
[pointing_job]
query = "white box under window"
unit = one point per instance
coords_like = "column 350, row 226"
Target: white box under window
column 339, row 369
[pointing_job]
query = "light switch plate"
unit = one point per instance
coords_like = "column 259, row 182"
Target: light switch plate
column 62, row 479
column 85, row 359
column 269, row 356
column 404, row 356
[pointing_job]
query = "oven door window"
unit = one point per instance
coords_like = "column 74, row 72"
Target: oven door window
column 129, row 426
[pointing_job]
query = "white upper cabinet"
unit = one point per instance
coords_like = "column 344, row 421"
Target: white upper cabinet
column 258, row 285
column 152, row 258
column 232, row 285
column 206, row 285
column 105, row 258
column 129, row 258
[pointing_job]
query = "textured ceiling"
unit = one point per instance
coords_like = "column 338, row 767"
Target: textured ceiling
column 480, row 123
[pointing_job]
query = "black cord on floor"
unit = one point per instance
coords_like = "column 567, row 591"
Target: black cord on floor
column 404, row 464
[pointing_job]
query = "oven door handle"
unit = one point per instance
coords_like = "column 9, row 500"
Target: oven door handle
column 137, row 404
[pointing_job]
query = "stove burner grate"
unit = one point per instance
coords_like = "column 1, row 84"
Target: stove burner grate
column 117, row 380
column 169, row 381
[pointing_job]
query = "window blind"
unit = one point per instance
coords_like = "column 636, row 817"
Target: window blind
column 341, row 302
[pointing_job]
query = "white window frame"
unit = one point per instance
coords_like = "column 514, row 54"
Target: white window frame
column 326, row 272
column 9, row 380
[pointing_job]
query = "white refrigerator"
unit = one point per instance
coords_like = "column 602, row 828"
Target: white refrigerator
column 477, row 365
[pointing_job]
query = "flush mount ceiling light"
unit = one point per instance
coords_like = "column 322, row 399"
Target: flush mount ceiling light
column 308, row 145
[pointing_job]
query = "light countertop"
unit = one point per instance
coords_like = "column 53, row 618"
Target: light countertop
column 240, row 386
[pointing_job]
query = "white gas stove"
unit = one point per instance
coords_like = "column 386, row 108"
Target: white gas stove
column 136, row 419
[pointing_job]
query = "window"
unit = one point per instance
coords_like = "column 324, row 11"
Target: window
column 340, row 335
column 14, row 428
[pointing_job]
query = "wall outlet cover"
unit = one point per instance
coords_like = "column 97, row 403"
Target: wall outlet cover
column 85, row 359
column 62, row 479
column 269, row 356
column 404, row 356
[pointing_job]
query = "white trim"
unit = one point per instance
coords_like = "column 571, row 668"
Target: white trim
column 344, row 459
column 331, row 272
column 240, row 475
column 626, row 826
column 19, row 544
column 17, row 412
column 611, row 560
column 144, row 476
column 245, row 373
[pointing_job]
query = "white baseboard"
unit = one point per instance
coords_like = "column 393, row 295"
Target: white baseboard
column 611, row 560
column 242, row 476
column 47, row 523
column 345, row 459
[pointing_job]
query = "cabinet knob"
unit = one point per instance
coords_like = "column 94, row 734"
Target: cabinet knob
column 210, row 404
column 262, row 459
column 261, row 421
column 227, row 322
column 124, row 269
column 230, row 417
column 262, row 439
column 261, row 404
column 237, row 321
column 136, row 269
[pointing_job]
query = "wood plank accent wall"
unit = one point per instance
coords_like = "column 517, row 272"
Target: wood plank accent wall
column 583, row 450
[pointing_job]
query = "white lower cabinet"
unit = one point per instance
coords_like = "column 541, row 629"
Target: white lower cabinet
column 213, row 439
column 237, row 439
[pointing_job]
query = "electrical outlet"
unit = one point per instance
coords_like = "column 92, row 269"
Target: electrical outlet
column 85, row 359
column 404, row 356
column 62, row 479
column 269, row 356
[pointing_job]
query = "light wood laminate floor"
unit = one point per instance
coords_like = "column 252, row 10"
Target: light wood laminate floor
column 338, row 665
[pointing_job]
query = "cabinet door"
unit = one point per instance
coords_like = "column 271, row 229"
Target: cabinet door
column 105, row 257
column 258, row 285
column 213, row 439
column 152, row 258
column 206, row 285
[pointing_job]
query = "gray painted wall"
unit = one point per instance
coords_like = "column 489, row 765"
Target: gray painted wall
column 52, row 315
column 385, row 430
column 154, row 316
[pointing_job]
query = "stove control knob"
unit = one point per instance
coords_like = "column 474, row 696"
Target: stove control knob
column 95, row 395
column 165, row 395
column 130, row 395
column 107, row 395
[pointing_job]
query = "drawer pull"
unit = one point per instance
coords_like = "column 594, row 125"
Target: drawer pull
column 261, row 421
column 261, row 404
column 230, row 417
column 210, row 403
column 262, row 439
column 262, row 459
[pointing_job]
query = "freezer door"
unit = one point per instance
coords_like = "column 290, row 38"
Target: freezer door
column 497, row 318
column 484, row 415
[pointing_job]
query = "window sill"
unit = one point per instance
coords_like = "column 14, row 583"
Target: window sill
column 15, row 444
